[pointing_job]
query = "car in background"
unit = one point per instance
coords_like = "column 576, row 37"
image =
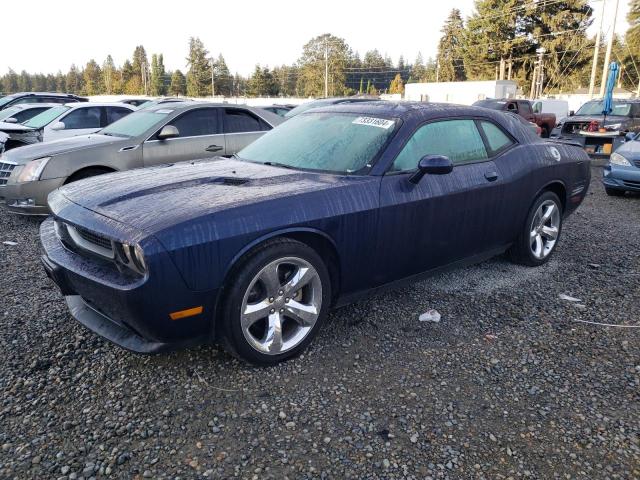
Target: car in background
column 325, row 102
column 622, row 173
column 560, row 108
column 136, row 102
column 546, row 121
column 166, row 133
column 39, row 97
column 161, row 101
column 281, row 110
column 600, row 136
column 64, row 121
column 18, row 114
column 332, row 205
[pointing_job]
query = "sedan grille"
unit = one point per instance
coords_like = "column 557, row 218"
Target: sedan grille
column 5, row 171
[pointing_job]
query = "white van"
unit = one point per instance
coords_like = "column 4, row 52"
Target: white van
column 560, row 108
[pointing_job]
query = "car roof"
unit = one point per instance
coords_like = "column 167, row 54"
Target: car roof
column 47, row 94
column 266, row 115
column 401, row 109
column 29, row 106
column 98, row 104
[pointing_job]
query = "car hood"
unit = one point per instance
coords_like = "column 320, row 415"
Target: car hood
column 598, row 118
column 27, row 153
column 630, row 150
column 156, row 198
column 14, row 127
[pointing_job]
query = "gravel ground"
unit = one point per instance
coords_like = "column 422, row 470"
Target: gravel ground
column 507, row 385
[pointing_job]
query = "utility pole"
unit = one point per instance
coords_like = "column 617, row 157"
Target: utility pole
column 510, row 67
column 607, row 56
column 532, row 93
column 213, row 81
column 541, row 52
column 502, row 68
column 438, row 70
column 596, row 52
column 326, row 67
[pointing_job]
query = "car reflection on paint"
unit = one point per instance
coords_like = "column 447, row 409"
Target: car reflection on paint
column 331, row 206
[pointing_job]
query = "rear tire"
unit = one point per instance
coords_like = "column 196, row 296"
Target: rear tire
column 86, row 173
column 274, row 302
column 614, row 192
column 540, row 233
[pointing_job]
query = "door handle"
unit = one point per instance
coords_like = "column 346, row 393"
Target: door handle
column 491, row 176
column 213, row 148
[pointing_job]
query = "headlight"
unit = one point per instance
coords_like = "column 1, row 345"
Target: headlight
column 618, row 159
column 613, row 126
column 32, row 170
column 132, row 256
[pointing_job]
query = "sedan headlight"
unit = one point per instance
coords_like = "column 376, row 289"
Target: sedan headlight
column 32, row 170
column 613, row 126
column 617, row 159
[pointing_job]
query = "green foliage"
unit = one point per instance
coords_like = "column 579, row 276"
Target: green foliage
column 73, row 82
column 199, row 73
column 396, row 85
column 262, row 83
column 178, row 85
column 158, row 75
column 311, row 81
column 451, row 49
column 93, row 80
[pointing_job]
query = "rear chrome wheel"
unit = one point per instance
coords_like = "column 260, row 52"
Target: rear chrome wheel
column 274, row 301
column 281, row 305
column 544, row 230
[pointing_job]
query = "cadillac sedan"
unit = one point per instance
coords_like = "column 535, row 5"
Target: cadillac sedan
column 164, row 133
column 332, row 205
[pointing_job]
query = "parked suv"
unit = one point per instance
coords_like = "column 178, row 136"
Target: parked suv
column 546, row 121
column 39, row 97
column 166, row 133
column 64, row 121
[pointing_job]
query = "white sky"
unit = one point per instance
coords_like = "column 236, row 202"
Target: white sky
column 247, row 32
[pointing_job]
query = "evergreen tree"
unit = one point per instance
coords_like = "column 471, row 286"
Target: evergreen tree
column 60, row 82
column 73, row 81
column 396, row 85
column 450, row 49
column 93, row 81
column 10, row 82
column 199, row 74
column 158, row 74
column 109, row 75
column 632, row 37
column 223, row 78
column 141, row 70
column 418, row 70
column 311, row 80
column 178, row 85
column 24, row 82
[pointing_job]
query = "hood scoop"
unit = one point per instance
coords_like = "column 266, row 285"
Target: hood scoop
column 225, row 181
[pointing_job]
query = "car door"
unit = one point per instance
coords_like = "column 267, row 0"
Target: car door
column 78, row 121
column 200, row 136
column 242, row 127
column 444, row 218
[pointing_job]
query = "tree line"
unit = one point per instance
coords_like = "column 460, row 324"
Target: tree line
column 499, row 40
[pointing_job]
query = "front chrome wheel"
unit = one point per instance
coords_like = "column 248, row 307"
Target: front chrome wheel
column 544, row 229
column 281, row 305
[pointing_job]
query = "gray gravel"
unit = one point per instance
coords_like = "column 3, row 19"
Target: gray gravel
column 505, row 386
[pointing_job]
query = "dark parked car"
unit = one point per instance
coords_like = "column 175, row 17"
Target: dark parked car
column 39, row 97
column 622, row 174
column 600, row 136
column 281, row 110
column 524, row 108
column 136, row 102
column 331, row 205
column 325, row 102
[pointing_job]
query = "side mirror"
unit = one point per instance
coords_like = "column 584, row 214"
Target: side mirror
column 167, row 132
column 432, row 165
column 571, row 113
column 10, row 120
column 630, row 136
column 58, row 126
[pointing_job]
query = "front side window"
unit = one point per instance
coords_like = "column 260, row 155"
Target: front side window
column 239, row 121
column 459, row 140
column 330, row 142
column 83, row 118
column 196, row 123
column 497, row 140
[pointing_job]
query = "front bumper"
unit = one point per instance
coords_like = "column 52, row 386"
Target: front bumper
column 29, row 198
column 597, row 146
column 621, row 178
column 133, row 314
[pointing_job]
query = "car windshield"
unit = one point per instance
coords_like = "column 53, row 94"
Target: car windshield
column 330, row 142
column 492, row 104
column 9, row 112
column 308, row 106
column 46, row 117
column 595, row 108
column 136, row 123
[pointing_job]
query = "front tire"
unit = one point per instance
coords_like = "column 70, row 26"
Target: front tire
column 275, row 301
column 540, row 233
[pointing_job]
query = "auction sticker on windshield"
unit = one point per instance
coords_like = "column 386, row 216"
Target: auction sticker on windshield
column 374, row 122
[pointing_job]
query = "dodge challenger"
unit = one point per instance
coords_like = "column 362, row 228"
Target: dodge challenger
column 335, row 204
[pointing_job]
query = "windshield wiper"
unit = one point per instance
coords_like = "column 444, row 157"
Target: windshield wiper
column 277, row 164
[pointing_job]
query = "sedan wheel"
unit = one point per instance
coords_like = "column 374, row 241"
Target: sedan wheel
column 275, row 301
column 545, row 228
column 281, row 305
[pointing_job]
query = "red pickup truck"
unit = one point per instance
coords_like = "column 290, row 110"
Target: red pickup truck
column 546, row 121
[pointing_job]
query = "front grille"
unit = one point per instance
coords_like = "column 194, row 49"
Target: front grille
column 5, row 171
column 94, row 238
column 575, row 127
column 630, row 183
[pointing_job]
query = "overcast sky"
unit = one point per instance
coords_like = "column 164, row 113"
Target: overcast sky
column 57, row 34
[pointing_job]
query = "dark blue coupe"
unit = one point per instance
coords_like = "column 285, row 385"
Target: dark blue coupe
column 252, row 251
